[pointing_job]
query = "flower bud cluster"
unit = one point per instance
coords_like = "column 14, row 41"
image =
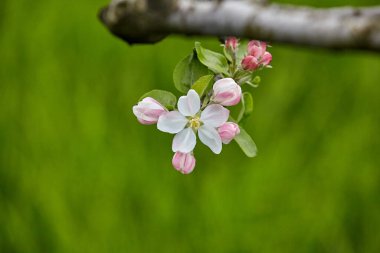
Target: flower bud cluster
column 210, row 122
column 257, row 56
column 202, row 111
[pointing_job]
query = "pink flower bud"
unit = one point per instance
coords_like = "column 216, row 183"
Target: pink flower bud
column 257, row 55
column 250, row 62
column 231, row 43
column 266, row 59
column 183, row 162
column 226, row 92
column 148, row 111
column 228, row 131
column 256, row 48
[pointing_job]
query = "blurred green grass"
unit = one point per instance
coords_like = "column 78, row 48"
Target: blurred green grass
column 79, row 174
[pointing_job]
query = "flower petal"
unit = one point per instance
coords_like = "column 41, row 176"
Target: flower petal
column 267, row 58
column 184, row 141
column 226, row 92
column 223, row 85
column 148, row 111
column 249, row 63
column 184, row 162
column 190, row 104
column 171, row 122
column 210, row 137
column 214, row 115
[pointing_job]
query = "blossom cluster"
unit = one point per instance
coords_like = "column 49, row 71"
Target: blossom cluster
column 203, row 111
column 257, row 56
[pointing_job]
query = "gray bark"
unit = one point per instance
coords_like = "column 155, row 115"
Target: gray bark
column 148, row 21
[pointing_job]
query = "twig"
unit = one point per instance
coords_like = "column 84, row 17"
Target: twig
column 141, row 21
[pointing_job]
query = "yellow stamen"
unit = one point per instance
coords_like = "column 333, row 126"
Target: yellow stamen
column 195, row 123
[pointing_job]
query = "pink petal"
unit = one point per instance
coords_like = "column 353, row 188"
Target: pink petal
column 228, row 131
column 148, row 111
column 183, row 162
column 267, row 58
column 224, row 84
column 249, row 63
column 263, row 46
column 226, row 92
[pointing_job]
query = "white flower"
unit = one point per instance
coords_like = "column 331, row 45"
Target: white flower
column 189, row 119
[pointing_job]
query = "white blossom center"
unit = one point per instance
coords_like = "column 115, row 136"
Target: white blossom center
column 195, row 122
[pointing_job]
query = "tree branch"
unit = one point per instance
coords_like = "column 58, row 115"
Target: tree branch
column 148, row 21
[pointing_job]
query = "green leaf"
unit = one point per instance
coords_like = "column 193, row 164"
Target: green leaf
column 246, row 106
column 227, row 53
column 256, row 80
column 246, row 143
column 254, row 83
column 242, row 51
column 187, row 71
column 165, row 98
column 202, row 84
column 216, row 62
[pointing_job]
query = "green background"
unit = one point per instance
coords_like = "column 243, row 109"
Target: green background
column 78, row 173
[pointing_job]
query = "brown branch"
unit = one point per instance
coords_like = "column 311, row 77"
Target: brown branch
column 148, row 21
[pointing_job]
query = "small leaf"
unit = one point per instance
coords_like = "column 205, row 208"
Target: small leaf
column 165, row 98
column 248, row 104
column 227, row 53
column 187, row 71
column 254, row 83
column 202, row 84
column 216, row 62
column 246, row 143
column 242, row 51
column 256, row 80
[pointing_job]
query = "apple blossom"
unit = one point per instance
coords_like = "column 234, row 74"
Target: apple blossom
column 183, row 162
column 231, row 43
column 202, row 110
column 189, row 119
column 257, row 56
column 226, row 92
column 228, row 131
column 250, row 63
column 257, row 48
column 148, row 111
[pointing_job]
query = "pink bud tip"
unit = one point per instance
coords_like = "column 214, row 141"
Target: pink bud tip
column 250, row 63
column 226, row 92
column 231, row 43
column 266, row 59
column 148, row 111
column 183, row 162
column 228, row 131
column 256, row 48
column 257, row 56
